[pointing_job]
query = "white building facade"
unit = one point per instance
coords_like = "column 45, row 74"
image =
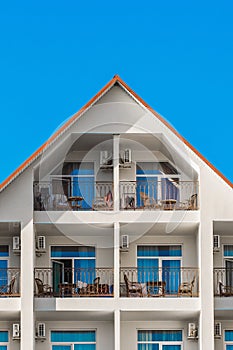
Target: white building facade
column 116, row 234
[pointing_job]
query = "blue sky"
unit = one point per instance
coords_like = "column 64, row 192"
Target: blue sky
column 177, row 55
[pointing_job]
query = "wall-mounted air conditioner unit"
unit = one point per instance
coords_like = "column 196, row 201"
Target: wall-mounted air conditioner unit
column 16, row 243
column 16, row 331
column 127, row 156
column 124, row 242
column 192, row 331
column 41, row 243
column 216, row 243
column 105, row 158
column 217, row 330
column 40, row 331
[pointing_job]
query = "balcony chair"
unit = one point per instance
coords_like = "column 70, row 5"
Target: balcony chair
column 91, row 289
column 148, row 202
column 8, row 289
column 186, row 288
column 133, row 289
column 60, row 202
column 225, row 291
column 42, row 290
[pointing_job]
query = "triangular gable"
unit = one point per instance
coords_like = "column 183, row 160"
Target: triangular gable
column 97, row 97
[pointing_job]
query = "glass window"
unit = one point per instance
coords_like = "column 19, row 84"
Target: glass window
column 228, row 250
column 161, row 250
column 72, row 252
column 78, row 340
column 158, row 339
column 4, row 250
column 3, row 336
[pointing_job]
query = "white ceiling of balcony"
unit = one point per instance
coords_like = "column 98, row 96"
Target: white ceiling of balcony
column 74, row 316
column 223, row 228
column 159, row 229
column 158, row 315
column 73, row 230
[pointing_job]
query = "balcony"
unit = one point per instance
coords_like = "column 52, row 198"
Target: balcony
column 223, row 282
column 159, row 282
column 72, row 194
column 163, row 194
column 9, row 282
column 74, row 282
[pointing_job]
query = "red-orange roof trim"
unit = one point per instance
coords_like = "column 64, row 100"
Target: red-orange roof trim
column 115, row 79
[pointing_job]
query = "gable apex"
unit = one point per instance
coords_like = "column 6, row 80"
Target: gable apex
column 115, row 81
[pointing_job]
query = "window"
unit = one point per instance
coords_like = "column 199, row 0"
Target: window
column 229, row 339
column 4, row 253
column 72, row 264
column 228, row 256
column 73, row 340
column 4, row 340
column 160, row 263
column 160, row 340
column 157, row 181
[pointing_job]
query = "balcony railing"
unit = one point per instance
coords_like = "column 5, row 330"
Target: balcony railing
column 64, row 194
column 159, row 282
column 72, row 282
column 163, row 194
column 223, row 282
column 10, row 282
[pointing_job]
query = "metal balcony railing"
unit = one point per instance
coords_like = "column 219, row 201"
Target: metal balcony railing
column 163, row 194
column 74, row 282
column 71, row 194
column 223, row 282
column 10, row 282
column 156, row 282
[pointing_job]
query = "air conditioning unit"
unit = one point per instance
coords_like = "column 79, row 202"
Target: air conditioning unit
column 16, row 331
column 40, row 243
column 216, row 243
column 127, row 156
column 40, row 331
column 124, row 242
column 192, row 331
column 217, row 330
column 16, row 243
column 105, row 158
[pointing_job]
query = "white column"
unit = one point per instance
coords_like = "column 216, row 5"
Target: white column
column 27, row 287
column 117, row 325
column 206, row 320
column 116, row 259
column 116, row 184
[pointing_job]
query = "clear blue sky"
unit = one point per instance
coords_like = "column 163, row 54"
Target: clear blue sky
column 177, row 55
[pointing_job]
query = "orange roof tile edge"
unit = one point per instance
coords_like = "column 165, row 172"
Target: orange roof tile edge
column 115, row 79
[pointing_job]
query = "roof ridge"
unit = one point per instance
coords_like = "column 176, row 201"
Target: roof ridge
column 116, row 78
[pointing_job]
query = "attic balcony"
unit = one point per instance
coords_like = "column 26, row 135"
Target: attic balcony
column 80, row 194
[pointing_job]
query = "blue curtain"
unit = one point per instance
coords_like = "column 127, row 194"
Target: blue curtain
column 60, row 347
column 171, row 275
column 169, row 190
column 72, row 251
column 3, row 336
column 148, row 346
column 229, row 347
column 154, row 250
column 84, row 186
column 228, row 335
column 160, row 335
column 171, row 347
column 84, row 347
column 84, row 270
column 3, row 273
column 3, row 347
column 147, row 270
column 228, row 250
column 73, row 336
